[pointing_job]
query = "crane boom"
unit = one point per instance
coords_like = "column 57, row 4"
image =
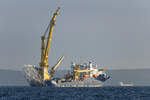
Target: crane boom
column 55, row 67
column 46, row 49
column 81, row 71
column 52, row 23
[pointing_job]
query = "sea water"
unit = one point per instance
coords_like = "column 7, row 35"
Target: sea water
column 76, row 93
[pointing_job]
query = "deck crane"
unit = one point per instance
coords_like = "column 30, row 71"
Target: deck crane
column 52, row 70
column 77, row 71
column 45, row 49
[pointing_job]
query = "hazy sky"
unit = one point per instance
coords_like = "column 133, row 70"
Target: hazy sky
column 111, row 33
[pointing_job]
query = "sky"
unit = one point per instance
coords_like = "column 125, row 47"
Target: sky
column 114, row 34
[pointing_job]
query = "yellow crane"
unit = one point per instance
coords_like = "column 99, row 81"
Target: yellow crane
column 82, row 71
column 77, row 71
column 55, row 67
column 45, row 49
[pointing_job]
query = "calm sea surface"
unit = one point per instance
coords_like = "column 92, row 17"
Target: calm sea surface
column 102, row 93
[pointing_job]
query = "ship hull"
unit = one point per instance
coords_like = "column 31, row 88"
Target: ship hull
column 80, row 86
column 59, row 85
column 67, row 84
column 50, row 84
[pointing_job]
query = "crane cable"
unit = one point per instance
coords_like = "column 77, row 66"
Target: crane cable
column 47, row 29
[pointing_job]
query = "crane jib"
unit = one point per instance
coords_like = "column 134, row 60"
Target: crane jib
column 46, row 47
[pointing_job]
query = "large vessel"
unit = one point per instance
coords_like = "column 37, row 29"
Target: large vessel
column 81, row 75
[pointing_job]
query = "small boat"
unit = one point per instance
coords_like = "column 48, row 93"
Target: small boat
column 126, row 84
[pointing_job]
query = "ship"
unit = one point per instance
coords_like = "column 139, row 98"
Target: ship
column 80, row 75
column 126, row 84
